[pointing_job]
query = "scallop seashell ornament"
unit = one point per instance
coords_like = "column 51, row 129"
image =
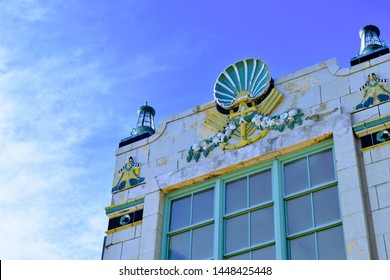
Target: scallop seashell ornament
column 243, row 81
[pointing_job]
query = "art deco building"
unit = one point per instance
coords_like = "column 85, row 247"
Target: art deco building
column 292, row 167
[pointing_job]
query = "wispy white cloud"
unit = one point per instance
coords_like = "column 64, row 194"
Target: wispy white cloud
column 51, row 199
column 26, row 10
column 145, row 65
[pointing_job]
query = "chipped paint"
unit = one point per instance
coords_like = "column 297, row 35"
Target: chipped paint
column 351, row 246
column 322, row 116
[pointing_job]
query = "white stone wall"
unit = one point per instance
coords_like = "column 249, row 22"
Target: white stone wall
column 327, row 95
column 123, row 244
column 377, row 166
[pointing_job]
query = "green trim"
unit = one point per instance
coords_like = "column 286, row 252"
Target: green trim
column 280, row 228
column 311, row 190
column 281, row 240
column 115, row 208
column 315, row 230
column 371, row 123
column 218, row 219
column 316, row 148
column 190, row 191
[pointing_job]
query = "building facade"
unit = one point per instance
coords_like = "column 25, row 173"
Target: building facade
column 296, row 167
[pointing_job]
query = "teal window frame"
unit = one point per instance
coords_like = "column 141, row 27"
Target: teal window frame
column 281, row 238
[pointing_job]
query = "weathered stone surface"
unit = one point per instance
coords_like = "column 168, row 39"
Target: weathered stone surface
column 327, row 95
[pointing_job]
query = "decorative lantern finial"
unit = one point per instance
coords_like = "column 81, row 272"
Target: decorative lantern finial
column 371, row 45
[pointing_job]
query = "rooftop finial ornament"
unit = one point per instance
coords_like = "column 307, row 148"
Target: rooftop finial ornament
column 371, row 45
column 145, row 121
column 145, row 125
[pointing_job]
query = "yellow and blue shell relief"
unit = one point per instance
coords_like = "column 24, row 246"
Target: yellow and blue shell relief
column 244, row 81
column 128, row 176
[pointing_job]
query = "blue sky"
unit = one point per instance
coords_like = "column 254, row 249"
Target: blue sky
column 73, row 74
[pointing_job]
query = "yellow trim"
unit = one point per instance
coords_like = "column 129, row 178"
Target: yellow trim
column 123, row 203
column 123, row 227
column 125, row 211
column 372, row 120
column 374, row 146
column 247, row 163
column 373, row 129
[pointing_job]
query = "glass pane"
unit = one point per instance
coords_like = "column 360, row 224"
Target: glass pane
column 321, row 168
column 267, row 253
column 152, row 123
column 260, row 188
column 331, row 244
column 245, row 256
column 303, row 248
column 299, row 214
column 262, row 225
column 203, row 206
column 236, row 233
column 326, row 206
column 179, row 247
column 202, row 243
column 295, row 176
column 140, row 118
column 236, row 195
column 180, row 213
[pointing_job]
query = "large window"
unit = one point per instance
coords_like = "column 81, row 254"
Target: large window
column 287, row 208
column 191, row 226
column 249, row 217
column 314, row 228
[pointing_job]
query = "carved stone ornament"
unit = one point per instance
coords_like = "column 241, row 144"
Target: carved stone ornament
column 128, row 176
column 245, row 97
column 383, row 136
column 373, row 92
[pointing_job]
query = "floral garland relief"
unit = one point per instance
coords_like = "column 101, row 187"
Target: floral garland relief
column 277, row 122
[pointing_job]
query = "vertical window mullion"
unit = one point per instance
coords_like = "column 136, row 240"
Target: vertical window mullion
column 249, row 228
column 308, row 171
column 247, row 192
column 218, row 220
column 312, row 204
column 334, row 166
column 280, row 220
column 249, row 212
column 191, row 208
column 191, row 214
column 316, row 244
column 190, row 244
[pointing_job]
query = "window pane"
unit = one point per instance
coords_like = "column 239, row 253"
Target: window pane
column 179, row 247
column 180, row 213
column 245, row 256
column 299, row 214
column 326, row 206
column 236, row 195
column 262, row 225
column 260, row 188
column 140, row 118
column 303, row 248
column 203, row 206
column 321, row 168
column 202, row 243
column 331, row 244
column 236, row 233
column 267, row 253
column 295, row 176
